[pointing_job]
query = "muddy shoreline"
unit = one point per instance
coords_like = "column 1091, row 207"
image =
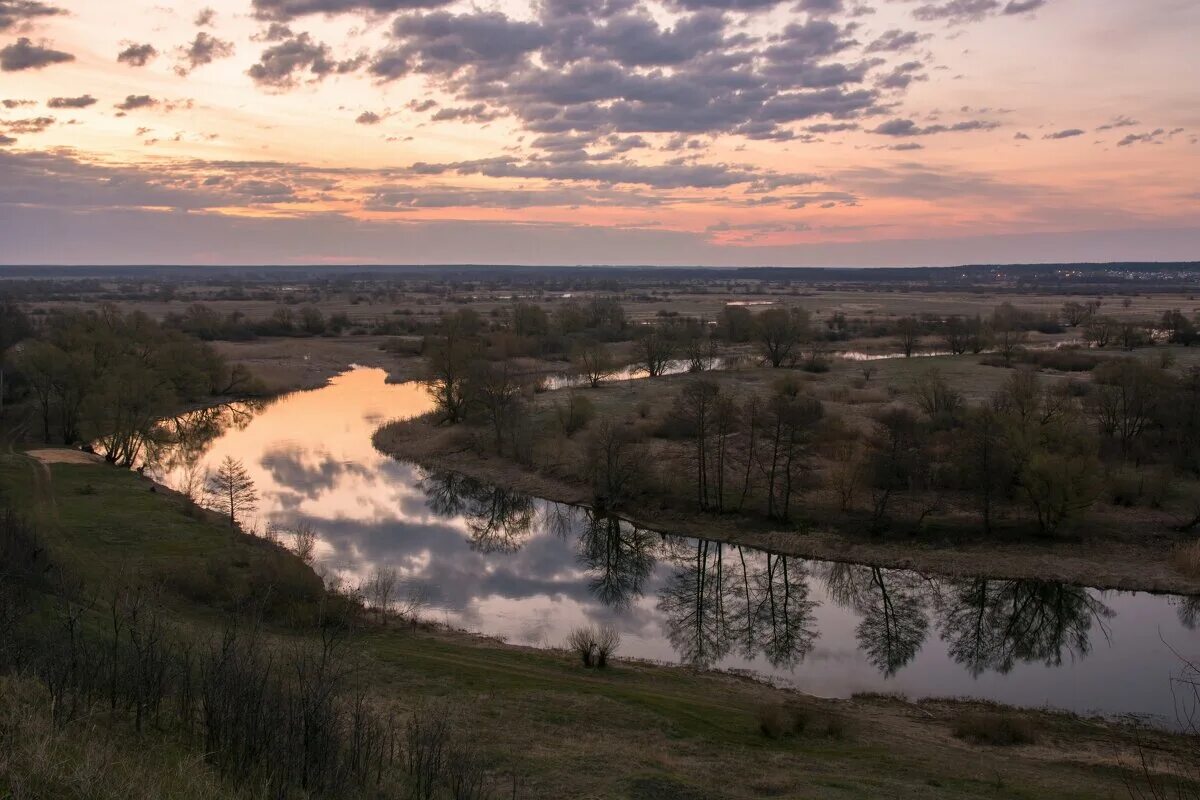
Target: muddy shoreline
column 1096, row 562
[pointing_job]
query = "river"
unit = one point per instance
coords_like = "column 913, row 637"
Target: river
column 528, row 571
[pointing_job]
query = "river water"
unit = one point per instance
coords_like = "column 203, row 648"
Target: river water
column 528, row 571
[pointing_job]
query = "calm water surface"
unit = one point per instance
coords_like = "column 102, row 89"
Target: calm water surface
column 528, row 571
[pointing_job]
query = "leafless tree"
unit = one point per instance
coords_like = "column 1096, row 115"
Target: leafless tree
column 655, row 351
column 780, row 332
column 304, row 542
column 380, row 591
column 594, row 362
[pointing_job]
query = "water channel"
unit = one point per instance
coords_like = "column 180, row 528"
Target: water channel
column 528, row 571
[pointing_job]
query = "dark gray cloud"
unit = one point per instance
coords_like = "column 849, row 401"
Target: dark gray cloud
column 902, row 75
column 1023, row 6
column 1152, row 137
column 1068, row 133
column 906, row 146
column 606, row 66
column 24, row 54
column 1119, row 121
column 476, row 113
column 417, row 197
column 907, row 127
column 30, row 125
column 137, row 55
column 896, row 40
column 6, row 140
column 135, row 101
column 296, row 57
column 957, row 12
column 204, row 49
column 672, row 175
column 290, row 9
column 820, row 7
column 11, row 104
column 368, row 118
column 205, row 17
column 83, row 101
column 19, row 12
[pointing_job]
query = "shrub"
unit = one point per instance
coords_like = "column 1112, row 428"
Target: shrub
column 777, row 721
column 608, row 639
column 995, row 729
column 574, row 414
column 582, row 642
column 774, row 722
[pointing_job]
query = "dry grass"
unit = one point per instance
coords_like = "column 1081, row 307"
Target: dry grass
column 1186, row 558
column 91, row 759
column 997, row 729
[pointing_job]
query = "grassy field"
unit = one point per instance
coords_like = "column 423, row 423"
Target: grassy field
column 632, row 731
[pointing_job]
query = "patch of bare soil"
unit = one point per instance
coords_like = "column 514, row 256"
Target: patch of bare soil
column 62, row 455
column 1141, row 562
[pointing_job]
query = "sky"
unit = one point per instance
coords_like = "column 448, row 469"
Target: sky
column 665, row 132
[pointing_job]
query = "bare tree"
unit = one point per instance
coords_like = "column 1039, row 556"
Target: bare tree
column 594, row 362
column 448, row 360
column 231, row 491
column 613, row 461
column 1006, row 333
column 909, row 329
column 380, row 591
column 780, row 333
column 655, row 351
column 304, row 542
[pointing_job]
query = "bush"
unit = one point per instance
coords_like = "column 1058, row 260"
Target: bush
column 574, row 414
column 594, row 645
column 778, row 721
column 995, row 729
column 1064, row 360
column 581, row 642
column 608, row 639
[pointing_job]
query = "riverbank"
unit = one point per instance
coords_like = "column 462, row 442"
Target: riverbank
column 634, row 730
column 1141, row 563
column 288, row 364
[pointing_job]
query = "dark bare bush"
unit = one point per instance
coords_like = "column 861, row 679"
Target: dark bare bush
column 582, row 642
column 995, row 729
column 608, row 639
column 778, row 721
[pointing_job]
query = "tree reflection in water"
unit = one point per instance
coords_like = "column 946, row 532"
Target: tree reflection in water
column 183, row 440
column 498, row 520
column 715, row 599
column 994, row 624
column 758, row 602
column 619, row 557
column 692, row 602
column 891, row 605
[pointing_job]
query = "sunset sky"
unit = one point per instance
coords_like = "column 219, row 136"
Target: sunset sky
column 723, row 132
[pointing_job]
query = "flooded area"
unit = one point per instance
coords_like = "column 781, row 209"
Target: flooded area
column 526, row 570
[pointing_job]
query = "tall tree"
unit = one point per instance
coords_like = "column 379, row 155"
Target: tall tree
column 231, row 490
column 780, row 332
